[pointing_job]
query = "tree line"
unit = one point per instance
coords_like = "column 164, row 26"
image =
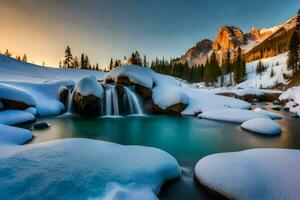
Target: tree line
column 18, row 57
column 293, row 61
column 211, row 73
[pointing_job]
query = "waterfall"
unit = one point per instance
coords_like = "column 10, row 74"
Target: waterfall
column 133, row 102
column 70, row 102
column 111, row 106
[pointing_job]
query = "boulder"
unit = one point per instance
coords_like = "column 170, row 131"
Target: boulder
column 14, row 105
column 89, row 105
column 1, row 106
column 270, row 97
column 87, row 97
column 41, row 125
column 151, row 108
column 63, row 93
column 144, row 92
column 123, row 80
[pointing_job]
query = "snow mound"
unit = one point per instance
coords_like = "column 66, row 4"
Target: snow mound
column 272, row 115
column 12, row 117
column 12, row 93
column 83, row 168
column 232, row 115
column 252, row 174
column 136, row 74
column 89, row 85
column 12, row 135
column 262, row 125
column 44, row 94
column 31, row 110
column 14, row 70
column 293, row 97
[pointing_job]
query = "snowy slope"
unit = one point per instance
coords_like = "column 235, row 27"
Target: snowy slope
column 278, row 63
column 12, row 69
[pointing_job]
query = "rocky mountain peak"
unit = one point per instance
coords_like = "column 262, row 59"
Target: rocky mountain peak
column 229, row 37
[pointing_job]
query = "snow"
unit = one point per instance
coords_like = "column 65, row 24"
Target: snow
column 44, row 94
column 136, row 74
column 231, row 115
column 89, row 85
column 168, row 91
column 262, row 125
column 252, row 174
column 12, row 93
column 31, row 110
column 14, row 70
column 82, row 169
column 12, row 135
column 270, row 114
column 278, row 63
column 293, row 97
column 12, row 117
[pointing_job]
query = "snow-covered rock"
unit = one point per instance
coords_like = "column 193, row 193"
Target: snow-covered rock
column 262, row 125
column 44, row 94
column 12, row 135
column 1, row 106
column 292, row 95
column 12, row 117
column 8, row 92
column 88, row 97
column 232, row 115
column 84, row 169
column 272, row 115
column 31, row 110
column 252, row 174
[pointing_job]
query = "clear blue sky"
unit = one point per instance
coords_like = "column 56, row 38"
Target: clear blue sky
column 114, row 28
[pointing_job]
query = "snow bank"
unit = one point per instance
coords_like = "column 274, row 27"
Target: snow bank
column 44, row 94
column 14, row 70
column 277, row 63
column 272, row 115
column 1, row 105
column 252, row 174
column 12, row 93
column 98, row 170
column 89, row 85
column 293, row 97
column 11, row 135
column 12, row 117
column 262, row 125
column 231, row 115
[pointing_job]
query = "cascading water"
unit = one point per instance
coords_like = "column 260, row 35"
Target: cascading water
column 133, row 102
column 111, row 104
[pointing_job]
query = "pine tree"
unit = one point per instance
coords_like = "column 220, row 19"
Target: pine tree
column 97, row 67
column 135, row 59
column 212, row 70
column 18, row 57
column 68, row 57
column 7, row 53
column 82, row 61
column 239, row 67
column 145, row 61
column 228, row 66
column 75, row 63
column 111, row 64
column 24, row 58
column 293, row 61
column 87, row 62
column 60, row 64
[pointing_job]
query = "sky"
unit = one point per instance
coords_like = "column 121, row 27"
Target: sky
column 114, row 28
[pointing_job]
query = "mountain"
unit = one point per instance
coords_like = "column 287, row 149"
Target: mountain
column 256, row 44
column 198, row 54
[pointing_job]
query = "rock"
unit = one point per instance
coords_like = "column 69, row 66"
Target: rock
column 1, row 106
column 295, row 115
column 270, row 97
column 41, row 125
column 276, row 107
column 89, row 105
column 63, row 93
column 144, row 92
column 87, row 97
column 123, row 80
column 14, row 105
column 176, row 109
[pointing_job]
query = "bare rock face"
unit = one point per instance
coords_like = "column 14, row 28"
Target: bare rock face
column 229, row 37
column 152, row 108
column 89, row 105
column 14, row 105
column 63, row 93
column 198, row 54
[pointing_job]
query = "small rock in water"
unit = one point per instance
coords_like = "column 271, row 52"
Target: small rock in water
column 276, row 107
column 295, row 115
column 276, row 102
column 41, row 125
